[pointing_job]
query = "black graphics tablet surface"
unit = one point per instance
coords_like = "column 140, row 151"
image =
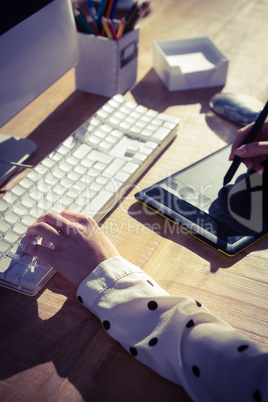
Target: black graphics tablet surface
column 227, row 218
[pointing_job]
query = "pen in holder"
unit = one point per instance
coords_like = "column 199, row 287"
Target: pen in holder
column 107, row 67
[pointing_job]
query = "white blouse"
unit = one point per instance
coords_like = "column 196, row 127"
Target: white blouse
column 175, row 335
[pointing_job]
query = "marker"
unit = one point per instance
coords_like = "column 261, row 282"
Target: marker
column 250, row 138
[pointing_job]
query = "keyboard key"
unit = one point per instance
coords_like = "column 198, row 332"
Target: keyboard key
column 113, row 168
column 72, row 160
column 4, row 247
column 113, row 186
column 12, row 238
column 32, row 276
column 27, row 220
column 63, row 150
column 58, row 174
column 131, row 150
column 167, row 117
column 20, row 229
column 5, row 264
column 5, row 228
column 4, row 206
column 122, row 176
column 28, row 203
column 18, row 191
column 104, row 146
column 11, row 218
column 82, row 151
column 140, row 158
column 130, row 167
column 41, row 169
column 99, row 166
column 160, row 134
column 99, row 201
column 70, row 143
column 26, row 183
column 16, row 272
column 20, row 211
column 100, row 157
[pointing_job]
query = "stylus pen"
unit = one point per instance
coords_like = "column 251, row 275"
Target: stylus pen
column 250, row 138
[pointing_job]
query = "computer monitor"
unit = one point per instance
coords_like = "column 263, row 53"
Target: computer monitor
column 38, row 45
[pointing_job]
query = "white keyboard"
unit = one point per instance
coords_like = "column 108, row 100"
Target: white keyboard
column 89, row 172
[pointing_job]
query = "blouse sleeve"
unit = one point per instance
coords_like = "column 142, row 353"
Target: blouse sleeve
column 175, row 335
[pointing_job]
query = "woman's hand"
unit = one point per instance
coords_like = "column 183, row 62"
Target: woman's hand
column 70, row 242
column 255, row 153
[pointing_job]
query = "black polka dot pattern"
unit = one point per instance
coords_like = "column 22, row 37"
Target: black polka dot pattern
column 198, row 304
column 153, row 342
column 152, row 305
column 241, row 348
column 106, row 325
column 196, row 371
column 150, row 283
column 133, row 351
column 257, row 396
column 190, row 324
column 79, row 298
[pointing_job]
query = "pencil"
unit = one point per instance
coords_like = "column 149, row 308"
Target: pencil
column 106, row 27
column 81, row 22
column 92, row 25
column 121, row 27
column 107, row 12
column 100, row 13
column 250, row 138
column 111, row 27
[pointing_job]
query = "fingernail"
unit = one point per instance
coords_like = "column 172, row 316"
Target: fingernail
column 241, row 151
column 27, row 240
column 23, row 247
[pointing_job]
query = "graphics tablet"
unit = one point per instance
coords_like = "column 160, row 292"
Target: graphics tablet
column 227, row 218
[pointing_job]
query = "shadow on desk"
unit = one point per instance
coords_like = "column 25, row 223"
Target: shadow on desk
column 52, row 348
column 152, row 93
column 174, row 232
column 63, row 121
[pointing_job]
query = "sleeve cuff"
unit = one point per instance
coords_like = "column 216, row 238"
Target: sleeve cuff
column 103, row 277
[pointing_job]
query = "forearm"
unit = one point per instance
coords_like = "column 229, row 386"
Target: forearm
column 174, row 335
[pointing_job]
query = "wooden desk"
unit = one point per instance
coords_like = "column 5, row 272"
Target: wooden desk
column 52, row 349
